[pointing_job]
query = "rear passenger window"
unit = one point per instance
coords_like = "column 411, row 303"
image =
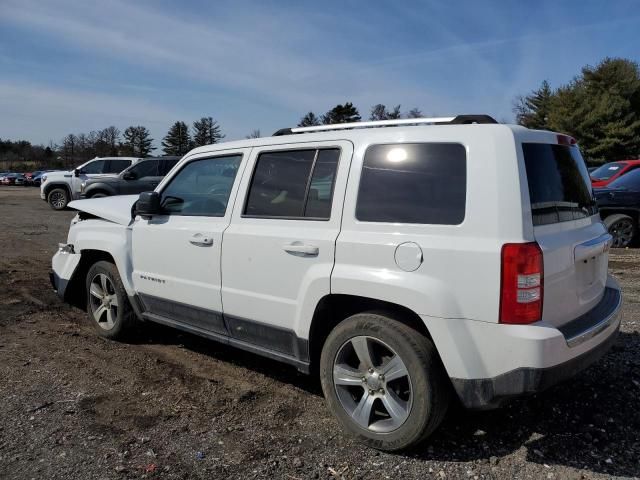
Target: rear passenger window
column 116, row 166
column 413, row 183
column 293, row 184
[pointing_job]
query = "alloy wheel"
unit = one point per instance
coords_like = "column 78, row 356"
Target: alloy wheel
column 622, row 232
column 57, row 199
column 372, row 384
column 104, row 301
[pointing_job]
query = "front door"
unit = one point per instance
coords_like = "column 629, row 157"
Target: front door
column 176, row 255
column 278, row 252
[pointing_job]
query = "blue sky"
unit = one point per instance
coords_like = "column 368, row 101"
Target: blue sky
column 72, row 66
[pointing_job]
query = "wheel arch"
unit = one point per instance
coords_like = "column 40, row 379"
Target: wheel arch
column 75, row 293
column 98, row 188
column 332, row 309
column 52, row 186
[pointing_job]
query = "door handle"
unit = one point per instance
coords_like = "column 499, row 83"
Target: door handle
column 301, row 249
column 201, row 240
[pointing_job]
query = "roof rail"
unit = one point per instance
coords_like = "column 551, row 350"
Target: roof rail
column 459, row 120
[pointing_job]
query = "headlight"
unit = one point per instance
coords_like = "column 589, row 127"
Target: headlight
column 43, row 178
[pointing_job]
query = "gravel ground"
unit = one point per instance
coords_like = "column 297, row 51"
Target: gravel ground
column 171, row 405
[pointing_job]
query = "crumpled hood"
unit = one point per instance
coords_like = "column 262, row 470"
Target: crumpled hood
column 115, row 209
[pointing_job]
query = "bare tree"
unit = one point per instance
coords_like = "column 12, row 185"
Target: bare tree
column 254, row 134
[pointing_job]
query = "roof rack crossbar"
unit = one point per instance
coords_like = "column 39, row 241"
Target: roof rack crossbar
column 458, row 120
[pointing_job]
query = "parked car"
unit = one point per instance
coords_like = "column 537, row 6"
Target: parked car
column 2, row 175
column 619, row 205
column 607, row 173
column 59, row 188
column 402, row 263
column 36, row 181
column 143, row 176
column 13, row 179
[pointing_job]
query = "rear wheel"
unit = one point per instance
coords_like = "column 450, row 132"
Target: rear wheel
column 623, row 228
column 383, row 381
column 58, row 198
column 107, row 303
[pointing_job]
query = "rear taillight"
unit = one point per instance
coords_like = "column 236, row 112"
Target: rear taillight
column 522, row 283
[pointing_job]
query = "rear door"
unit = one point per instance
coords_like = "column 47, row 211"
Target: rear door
column 278, row 252
column 568, row 229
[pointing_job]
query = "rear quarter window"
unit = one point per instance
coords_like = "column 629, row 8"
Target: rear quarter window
column 559, row 184
column 422, row 183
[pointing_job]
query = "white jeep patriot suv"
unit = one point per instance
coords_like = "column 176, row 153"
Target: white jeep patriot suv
column 403, row 264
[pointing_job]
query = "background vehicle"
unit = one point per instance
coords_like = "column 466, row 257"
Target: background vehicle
column 607, row 173
column 619, row 206
column 341, row 249
column 143, row 176
column 13, row 179
column 36, row 181
column 59, row 188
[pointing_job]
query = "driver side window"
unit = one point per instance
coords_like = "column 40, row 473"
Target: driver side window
column 93, row 167
column 202, row 187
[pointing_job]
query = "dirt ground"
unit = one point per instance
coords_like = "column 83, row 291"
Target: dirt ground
column 172, row 405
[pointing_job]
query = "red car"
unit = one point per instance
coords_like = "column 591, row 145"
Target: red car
column 607, row 173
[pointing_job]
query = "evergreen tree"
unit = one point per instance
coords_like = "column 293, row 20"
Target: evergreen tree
column 346, row 113
column 177, row 141
column 309, row 120
column 379, row 112
column 605, row 113
column 395, row 113
column 414, row 113
column 600, row 108
column 532, row 111
column 138, row 141
column 206, row 131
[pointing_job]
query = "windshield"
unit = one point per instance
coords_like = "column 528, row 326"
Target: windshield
column 559, row 186
column 606, row 171
column 630, row 181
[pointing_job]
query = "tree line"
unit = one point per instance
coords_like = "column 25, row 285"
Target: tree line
column 600, row 108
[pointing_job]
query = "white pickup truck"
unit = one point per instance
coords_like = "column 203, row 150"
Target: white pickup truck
column 58, row 188
column 403, row 261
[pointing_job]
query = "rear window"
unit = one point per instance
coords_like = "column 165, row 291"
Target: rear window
column 606, row 171
column 559, row 185
column 413, row 183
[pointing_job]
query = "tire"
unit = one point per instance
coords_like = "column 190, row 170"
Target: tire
column 98, row 195
column 111, row 316
column 420, row 398
column 623, row 228
column 58, row 198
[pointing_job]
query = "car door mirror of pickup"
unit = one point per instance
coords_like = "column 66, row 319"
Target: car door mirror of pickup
column 148, row 204
column 77, row 172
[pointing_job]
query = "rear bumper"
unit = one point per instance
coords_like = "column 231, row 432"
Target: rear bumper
column 491, row 363
column 489, row 393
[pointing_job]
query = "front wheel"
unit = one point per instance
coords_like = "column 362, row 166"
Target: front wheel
column 58, row 198
column 383, row 381
column 108, row 306
column 623, row 228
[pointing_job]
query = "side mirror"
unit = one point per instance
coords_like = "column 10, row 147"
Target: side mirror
column 129, row 176
column 148, row 204
column 76, row 172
